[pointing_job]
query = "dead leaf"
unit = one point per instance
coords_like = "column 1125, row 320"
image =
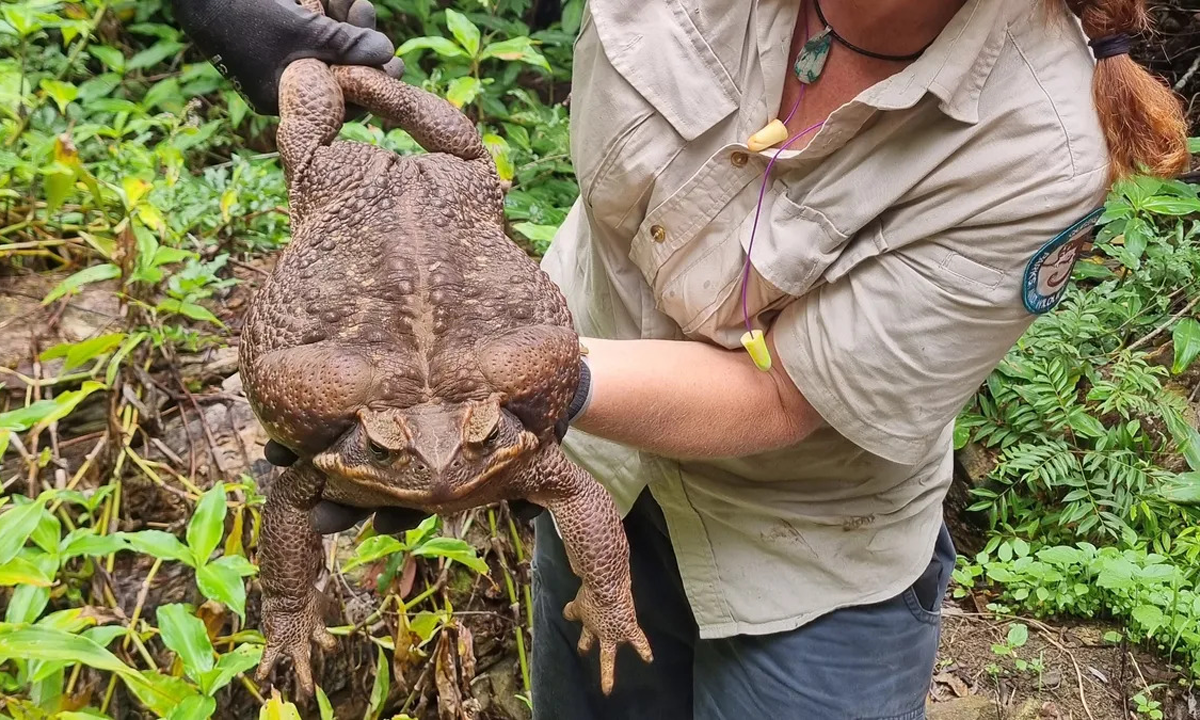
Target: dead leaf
column 956, row 684
column 408, row 576
column 449, row 699
column 1050, row 711
column 213, row 614
column 466, row 655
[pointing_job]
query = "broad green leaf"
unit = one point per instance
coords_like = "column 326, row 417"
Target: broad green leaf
column 516, row 49
column 237, row 564
column 188, row 309
column 372, row 549
column 50, row 644
column 153, row 55
column 196, row 707
column 63, row 93
column 229, row 666
column 16, row 524
column 112, row 58
column 379, row 690
column 103, row 635
column 81, row 352
column 167, row 255
column 1060, row 554
column 1018, row 635
column 1167, row 205
column 222, row 583
column 1184, row 489
column 159, row 544
column 81, row 715
column 1149, row 617
column 452, row 549
column 464, row 31
column 440, row 45
column 20, row 571
column 1186, row 337
column 185, row 635
column 48, row 533
column 1085, row 424
column 463, row 91
column 207, row 525
column 26, row 604
column 58, row 182
column 94, row 273
column 161, row 693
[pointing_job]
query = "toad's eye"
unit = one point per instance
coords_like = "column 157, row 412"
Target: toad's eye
column 378, row 452
column 493, row 436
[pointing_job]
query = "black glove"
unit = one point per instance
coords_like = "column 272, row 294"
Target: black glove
column 329, row 517
column 253, row 41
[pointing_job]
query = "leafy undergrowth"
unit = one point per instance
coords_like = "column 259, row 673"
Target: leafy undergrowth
column 1088, row 434
column 142, row 199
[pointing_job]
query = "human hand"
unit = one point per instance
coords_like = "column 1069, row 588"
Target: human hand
column 252, row 42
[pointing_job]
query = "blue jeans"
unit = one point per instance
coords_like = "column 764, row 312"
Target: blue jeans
column 871, row 662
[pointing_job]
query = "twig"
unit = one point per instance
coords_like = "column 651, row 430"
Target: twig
column 1183, row 80
column 1166, row 324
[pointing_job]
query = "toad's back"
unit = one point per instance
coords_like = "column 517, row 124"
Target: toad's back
column 404, row 261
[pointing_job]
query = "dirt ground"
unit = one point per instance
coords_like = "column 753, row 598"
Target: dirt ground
column 1082, row 676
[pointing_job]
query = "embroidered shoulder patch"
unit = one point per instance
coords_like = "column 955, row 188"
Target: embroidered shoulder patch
column 1049, row 269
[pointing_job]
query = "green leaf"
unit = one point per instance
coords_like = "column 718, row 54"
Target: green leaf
column 462, row 91
column 439, row 45
column 161, row 693
column 516, row 49
column 62, row 93
column 159, row 544
column 1149, row 617
column 501, row 155
column 50, row 644
column 323, row 705
column 94, row 273
column 372, row 549
column 379, row 690
column 207, row 525
column 167, row 255
column 1085, row 424
column 1018, row 635
column 185, row 635
column 222, row 583
column 452, row 549
column 16, row 525
column 1186, row 337
column 112, row 58
column 58, row 183
column 1167, row 205
column 20, row 571
column 153, row 55
column 277, row 709
column 114, row 363
column 1183, row 489
column 79, row 353
column 237, row 564
column 195, row 707
column 230, row 665
column 464, row 31
column 188, row 309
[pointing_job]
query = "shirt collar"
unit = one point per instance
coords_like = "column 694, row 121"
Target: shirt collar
column 956, row 65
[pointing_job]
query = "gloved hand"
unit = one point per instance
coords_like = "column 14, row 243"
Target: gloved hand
column 252, row 42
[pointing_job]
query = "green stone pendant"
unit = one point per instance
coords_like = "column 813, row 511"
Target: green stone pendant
column 811, row 60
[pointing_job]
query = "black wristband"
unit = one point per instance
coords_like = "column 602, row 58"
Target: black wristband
column 583, row 392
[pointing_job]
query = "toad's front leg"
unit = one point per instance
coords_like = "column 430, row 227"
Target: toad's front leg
column 289, row 554
column 598, row 551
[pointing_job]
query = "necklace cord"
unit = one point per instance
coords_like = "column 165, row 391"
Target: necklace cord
column 862, row 51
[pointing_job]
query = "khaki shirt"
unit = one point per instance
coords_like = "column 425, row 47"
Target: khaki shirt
column 890, row 257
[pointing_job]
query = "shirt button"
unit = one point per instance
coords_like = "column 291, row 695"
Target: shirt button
column 739, row 159
column 658, row 233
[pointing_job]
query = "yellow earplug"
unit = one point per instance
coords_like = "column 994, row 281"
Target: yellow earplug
column 756, row 344
column 773, row 134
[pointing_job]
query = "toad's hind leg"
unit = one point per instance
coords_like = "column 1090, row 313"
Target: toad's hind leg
column 598, row 551
column 290, row 561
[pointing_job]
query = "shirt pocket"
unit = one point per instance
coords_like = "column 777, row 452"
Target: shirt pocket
column 645, row 83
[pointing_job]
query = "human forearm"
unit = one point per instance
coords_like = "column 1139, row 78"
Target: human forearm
column 691, row 399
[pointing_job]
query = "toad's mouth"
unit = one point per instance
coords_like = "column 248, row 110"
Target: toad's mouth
column 438, row 494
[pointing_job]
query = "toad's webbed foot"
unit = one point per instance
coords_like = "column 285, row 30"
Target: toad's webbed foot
column 595, row 542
